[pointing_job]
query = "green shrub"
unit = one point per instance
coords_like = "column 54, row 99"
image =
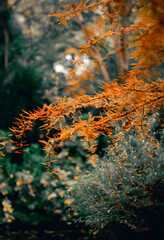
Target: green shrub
column 28, row 192
column 125, row 187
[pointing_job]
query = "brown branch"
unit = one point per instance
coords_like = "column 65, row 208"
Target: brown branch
column 133, row 110
column 95, row 53
column 126, row 10
column 121, row 40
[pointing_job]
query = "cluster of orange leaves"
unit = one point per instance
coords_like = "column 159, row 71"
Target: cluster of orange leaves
column 129, row 102
column 146, row 35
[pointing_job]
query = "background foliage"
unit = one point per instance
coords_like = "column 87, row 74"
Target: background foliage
column 28, row 192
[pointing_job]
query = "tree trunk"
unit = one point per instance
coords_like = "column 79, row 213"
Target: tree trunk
column 4, row 18
column 121, row 39
column 94, row 51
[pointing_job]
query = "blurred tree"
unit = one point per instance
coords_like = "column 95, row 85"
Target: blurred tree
column 20, row 83
column 5, row 36
column 39, row 29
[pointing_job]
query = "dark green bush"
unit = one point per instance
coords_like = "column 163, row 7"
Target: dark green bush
column 28, row 192
column 21, row 89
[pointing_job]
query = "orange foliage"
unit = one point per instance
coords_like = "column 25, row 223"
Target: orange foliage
column 129, row 101
column 113, row 23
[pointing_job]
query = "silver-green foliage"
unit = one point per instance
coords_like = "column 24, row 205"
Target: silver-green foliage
column 126, row 182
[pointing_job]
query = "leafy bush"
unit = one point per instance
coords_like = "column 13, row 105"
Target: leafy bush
column 125, row 187
column 28, row 192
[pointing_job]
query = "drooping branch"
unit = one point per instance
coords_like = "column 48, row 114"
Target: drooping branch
column 118, row 102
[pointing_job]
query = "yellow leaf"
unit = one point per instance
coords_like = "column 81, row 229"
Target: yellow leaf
column 78, row 169
column 19, row 182
column 2, row 185
column 69, row 201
